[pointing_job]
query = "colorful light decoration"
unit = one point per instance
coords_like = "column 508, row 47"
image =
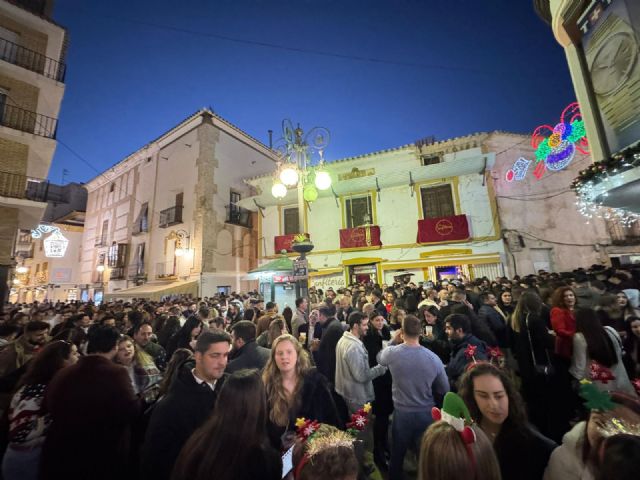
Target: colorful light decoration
column 556, row 146
column 519, row 170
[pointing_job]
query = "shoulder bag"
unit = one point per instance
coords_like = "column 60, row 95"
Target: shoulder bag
column 542, row 370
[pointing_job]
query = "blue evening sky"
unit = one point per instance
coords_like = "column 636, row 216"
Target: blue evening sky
column 392, row 72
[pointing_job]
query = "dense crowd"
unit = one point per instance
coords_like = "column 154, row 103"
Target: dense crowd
column 524, row 378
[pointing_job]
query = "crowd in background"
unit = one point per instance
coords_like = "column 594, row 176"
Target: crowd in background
column 222, row 387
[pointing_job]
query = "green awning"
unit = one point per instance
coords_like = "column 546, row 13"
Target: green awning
column 282, row 264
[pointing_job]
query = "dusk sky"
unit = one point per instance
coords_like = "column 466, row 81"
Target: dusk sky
column 377, row 73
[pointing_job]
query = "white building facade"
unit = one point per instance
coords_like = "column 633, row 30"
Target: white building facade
column 428, row 210
column 164, row 219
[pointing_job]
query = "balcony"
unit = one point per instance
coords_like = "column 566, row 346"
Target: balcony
column 171, row 216
column 360, row 238
column 24, row 251
column 31, row 60
column 30, row 122
column 136, row 273
column 622, row 236
column 238, row 216
column 101, row 241
column 166, row 271
column 117, row 273
column 13, row 185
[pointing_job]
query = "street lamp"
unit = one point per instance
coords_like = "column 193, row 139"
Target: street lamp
column 301, row 164
column 100, row 268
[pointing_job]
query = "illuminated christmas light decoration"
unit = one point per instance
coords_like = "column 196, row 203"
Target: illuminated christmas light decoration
column 55, row 245
column 556, row 146
column 42, row 229
column 519, row 170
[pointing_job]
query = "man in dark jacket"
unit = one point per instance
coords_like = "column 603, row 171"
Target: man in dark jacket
column 324, row 350
column 92, row 405
column 189, row 402
column 458, row 328
column 245, row 352
column 490, row 316
column 376, row 299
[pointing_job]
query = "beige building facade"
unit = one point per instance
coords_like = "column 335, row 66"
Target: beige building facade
column 32, row 73
column 164, row 220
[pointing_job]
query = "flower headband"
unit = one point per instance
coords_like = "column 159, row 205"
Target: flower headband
column 308, row 431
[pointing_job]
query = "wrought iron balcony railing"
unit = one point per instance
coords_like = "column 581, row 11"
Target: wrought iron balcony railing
column 171, row 216
column 20, row 186
column 26, row 121
column 31, row 60
column 238, row 216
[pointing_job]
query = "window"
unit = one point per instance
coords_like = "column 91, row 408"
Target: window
column 437, row 201
column 358, row 211
column 290, row 221
column 234, row 209
column 139, row 265
column 429, row 159
column 116, row 257
column 142, row 222
column 105, row 232
column 45, row 266
column 112, row 187
column 179, row 199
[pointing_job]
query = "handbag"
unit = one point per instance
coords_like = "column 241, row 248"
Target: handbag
column 543, row 370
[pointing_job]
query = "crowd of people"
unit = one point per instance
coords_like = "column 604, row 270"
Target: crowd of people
column 526, row 378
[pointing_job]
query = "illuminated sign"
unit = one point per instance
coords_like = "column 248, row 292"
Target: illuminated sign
column 55, row 245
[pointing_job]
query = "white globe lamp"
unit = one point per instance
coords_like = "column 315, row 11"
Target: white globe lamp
column 22, row 269
column 289, row 176
column 278, row 190
column 323, row 180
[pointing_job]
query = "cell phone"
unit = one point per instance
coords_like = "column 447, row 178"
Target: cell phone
column 428, row 330
column 287, row 462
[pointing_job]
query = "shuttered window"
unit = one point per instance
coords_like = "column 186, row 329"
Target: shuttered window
column 358, row 211
column 290, row 221
column 437, row 201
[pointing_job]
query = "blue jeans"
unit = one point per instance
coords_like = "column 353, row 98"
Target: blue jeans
column 21, row 464
column 406, row 432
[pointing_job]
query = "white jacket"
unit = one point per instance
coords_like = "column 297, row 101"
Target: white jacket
column 566, row 462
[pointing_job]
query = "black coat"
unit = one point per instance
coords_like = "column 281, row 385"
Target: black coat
column 495, row 322
column 522, row 455
column 251, row 355
column 543, row 345
column 439, row 344
column 175, row 417
column 316, row 403
column 383, row 404
column 317, row 333
column 325, row 356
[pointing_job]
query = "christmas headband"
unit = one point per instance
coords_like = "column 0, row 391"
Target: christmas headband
column 316, row 441
column 598, row 400
column 455, row 413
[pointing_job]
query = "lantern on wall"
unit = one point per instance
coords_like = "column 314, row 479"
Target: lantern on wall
column 55, row 245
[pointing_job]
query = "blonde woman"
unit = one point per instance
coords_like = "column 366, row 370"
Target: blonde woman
column 294, row 389
column 145, row 376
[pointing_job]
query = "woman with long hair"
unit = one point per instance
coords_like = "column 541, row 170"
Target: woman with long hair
column 374, row 341
column 434, row 338
column 632, row 346
column 598, row 349
column 625, row 305
column 28, row 422
column 506, row 305
column 294, row 389
column 232, row 444
column 611, row 313
column 276, row 328
column 178, row 358
column 444, row 455
column 495, row 404
column 168, row 330
column 563, row 320
column 185, row 337
column 143, row 372
column 531, row 346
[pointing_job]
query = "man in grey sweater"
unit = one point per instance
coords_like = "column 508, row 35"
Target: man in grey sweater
column 419, row 384
column 353, row 374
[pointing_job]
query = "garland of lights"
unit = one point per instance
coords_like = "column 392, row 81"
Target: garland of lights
column 592, row 183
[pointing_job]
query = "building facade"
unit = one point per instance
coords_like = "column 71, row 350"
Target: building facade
column 424, row 210
column 32, row 69
column 164, row 220
column 48, row 257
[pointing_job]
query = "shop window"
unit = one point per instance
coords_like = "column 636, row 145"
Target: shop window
column 290, row 221
column 358, row 211
column 437, row 201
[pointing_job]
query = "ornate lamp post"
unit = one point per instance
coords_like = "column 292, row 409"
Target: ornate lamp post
column 301, row 165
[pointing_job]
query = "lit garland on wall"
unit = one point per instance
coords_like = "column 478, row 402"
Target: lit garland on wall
column 593, row 184
column 556, row 146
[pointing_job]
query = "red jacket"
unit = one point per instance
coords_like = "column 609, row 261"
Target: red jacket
column 563, row 322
